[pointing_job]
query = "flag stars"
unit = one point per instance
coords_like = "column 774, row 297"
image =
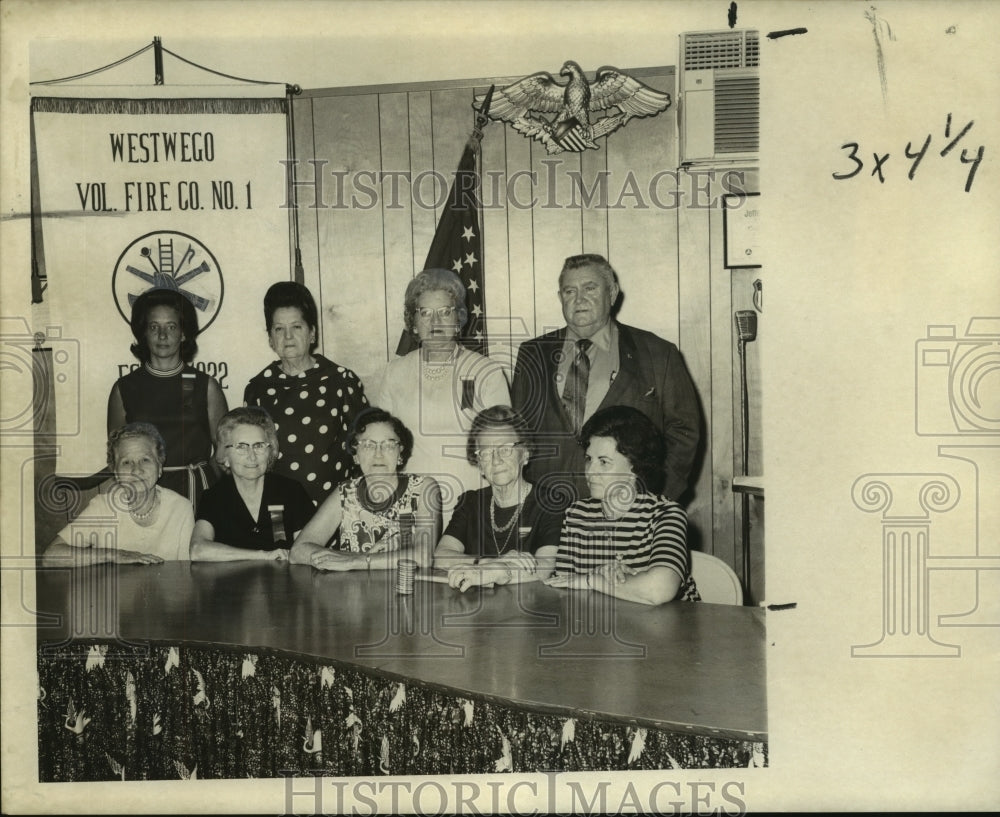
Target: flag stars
column 477, row 311
column 473, row 285
column 468, row 234
column 471, row 259
column 457, row 265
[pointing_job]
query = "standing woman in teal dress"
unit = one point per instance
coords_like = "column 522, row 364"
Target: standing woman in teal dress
column 184, row 404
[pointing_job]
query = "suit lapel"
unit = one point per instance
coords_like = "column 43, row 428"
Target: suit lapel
column 628, row 368
column 550, row 363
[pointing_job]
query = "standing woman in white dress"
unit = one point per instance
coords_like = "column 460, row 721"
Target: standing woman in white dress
column 439, row 388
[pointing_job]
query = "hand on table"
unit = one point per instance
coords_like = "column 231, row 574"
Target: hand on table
column 127, row 557
column 568, row 581
column 610, row 573
column 276, row 555
column 332, row 560
column 613, row 572
column 462, row 577
column 516, row 560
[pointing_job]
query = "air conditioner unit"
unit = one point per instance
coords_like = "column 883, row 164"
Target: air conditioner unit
column 719, row 96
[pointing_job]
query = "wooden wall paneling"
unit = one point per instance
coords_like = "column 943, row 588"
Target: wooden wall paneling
column 557, row 227
column 694, row 293
column 310, row 202
column 520, row 236
column 725, row 402
column 593, row 187
column 397, row 217
column 642, row 237
column 305, row 151
column 421, row 161
column 352, row 271
column 742, row 298
column 452, row 121
column 498, row 284
column 746, row 180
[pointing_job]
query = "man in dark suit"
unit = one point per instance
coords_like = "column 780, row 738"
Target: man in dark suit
column 563, row 377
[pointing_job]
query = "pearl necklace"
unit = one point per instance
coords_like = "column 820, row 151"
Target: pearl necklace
column 508, row 527
column 435, row 373
column 142, row 517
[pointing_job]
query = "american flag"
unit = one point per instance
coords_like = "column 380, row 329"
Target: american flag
column 458, row 246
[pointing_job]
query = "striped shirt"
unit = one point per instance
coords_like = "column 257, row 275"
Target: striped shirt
column 652, row 533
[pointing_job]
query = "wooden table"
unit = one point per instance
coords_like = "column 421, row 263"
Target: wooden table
column 684, row 669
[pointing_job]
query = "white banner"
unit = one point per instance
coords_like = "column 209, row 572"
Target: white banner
column 134, row 194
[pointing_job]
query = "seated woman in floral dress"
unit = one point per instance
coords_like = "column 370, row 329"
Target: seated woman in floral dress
column 382, row 515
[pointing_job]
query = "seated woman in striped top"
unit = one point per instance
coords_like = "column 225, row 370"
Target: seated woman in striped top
column 626, row 540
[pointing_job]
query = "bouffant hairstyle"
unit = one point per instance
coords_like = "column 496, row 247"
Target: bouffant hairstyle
column 186, row 315
column 292, row 295
column 428, row 281
column 372, row 415
column 637, row 438
column 246, row 416
column 498, row 418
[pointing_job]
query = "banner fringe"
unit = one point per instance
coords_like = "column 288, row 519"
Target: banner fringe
column 139, row 107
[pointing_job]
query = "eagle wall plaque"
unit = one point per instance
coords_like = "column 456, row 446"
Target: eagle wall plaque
column 559, row 116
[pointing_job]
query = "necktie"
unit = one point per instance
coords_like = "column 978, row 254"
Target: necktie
column 575, row 392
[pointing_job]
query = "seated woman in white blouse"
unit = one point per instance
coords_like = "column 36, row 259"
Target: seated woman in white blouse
column 137, row 521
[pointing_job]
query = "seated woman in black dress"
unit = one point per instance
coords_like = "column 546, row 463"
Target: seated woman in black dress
column 499, row 534
column 626, row 540
column 249, row 513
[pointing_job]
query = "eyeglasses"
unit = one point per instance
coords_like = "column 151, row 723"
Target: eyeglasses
column 494, row 452
column 244, row 449
column 371, row 446
column 443, row 312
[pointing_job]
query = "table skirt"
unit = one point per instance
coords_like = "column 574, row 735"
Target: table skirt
column 116, row 711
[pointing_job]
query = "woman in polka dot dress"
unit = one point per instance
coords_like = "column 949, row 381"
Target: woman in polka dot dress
column 313, row 401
